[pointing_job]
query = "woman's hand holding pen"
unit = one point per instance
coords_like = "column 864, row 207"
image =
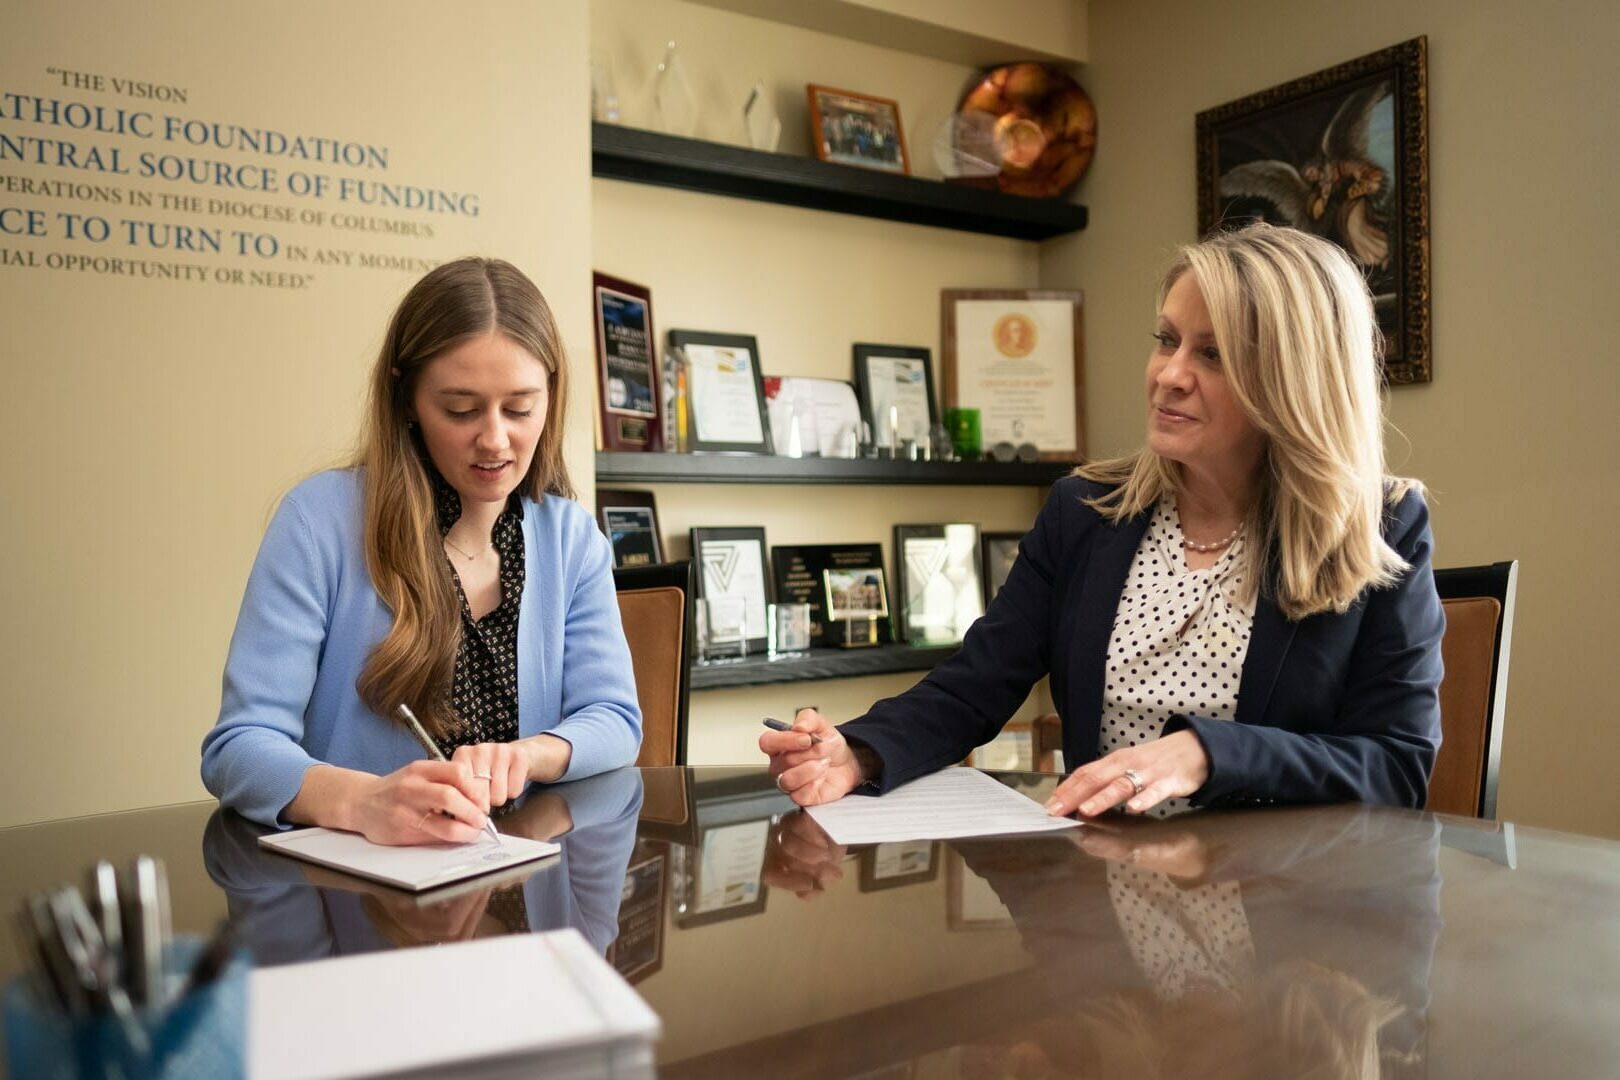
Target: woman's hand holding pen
column 812, row 763
column 422, row 803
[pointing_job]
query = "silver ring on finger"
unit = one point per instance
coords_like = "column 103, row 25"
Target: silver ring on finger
column 779, row 786
column 423, row 820
column 1136, row 781
column 484, row 776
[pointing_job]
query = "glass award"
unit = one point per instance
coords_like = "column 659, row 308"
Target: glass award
column 764, row 127
column 604, row 91
column 672, row 96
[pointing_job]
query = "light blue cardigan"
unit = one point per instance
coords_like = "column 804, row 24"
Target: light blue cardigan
column 310, row 619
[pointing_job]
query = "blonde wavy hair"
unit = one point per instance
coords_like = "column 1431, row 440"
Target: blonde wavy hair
column 456, row 302
column 1300, row 349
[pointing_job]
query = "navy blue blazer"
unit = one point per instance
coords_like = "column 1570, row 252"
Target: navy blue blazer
column 1331, row 708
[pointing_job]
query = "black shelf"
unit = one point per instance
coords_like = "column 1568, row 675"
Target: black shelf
column 651, row 157
column 820, row 664
column 640, row 468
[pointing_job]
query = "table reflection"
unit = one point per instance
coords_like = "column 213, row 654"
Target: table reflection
column 287, row 910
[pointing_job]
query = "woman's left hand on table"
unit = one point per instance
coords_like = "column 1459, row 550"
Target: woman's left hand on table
column 1165, row 768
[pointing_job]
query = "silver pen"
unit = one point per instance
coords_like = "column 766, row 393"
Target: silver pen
column 437, row 755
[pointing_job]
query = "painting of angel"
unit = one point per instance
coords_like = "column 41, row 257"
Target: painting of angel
column 1342, row 154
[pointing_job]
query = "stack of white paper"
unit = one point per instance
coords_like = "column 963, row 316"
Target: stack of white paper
column 947, row 805
column 423, row 866
column 521, row 1005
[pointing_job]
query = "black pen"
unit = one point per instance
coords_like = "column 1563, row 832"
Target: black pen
column 778, row 725
column 437, row 755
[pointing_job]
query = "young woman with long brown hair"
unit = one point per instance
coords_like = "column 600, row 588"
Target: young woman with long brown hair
column 447, row 570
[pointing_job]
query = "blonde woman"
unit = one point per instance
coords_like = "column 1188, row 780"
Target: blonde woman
column 447, row 570
column 1242, row 612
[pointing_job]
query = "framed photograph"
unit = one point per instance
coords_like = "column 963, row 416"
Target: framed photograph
column 937, row 570
column 725, row 392
column 1342, row 153
column 799, row 574
column 855, row 594
column 893, row 866
column 999, row 549
column 731, row 564
column 629, row 386
column 1018, row 356
column 638, row 951
column 822, row 414
column 896, row 381
column 857, row 129
column 629, row 519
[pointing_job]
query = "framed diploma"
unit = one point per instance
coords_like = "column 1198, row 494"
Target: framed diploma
column 725, row 392
column 1000, row 549
column 638, row 951
column 721, row 878
column 937, row 570
column 629, row 387
column 1018, row 356
column 896, row 382
column 629, row 519
column 731, row 566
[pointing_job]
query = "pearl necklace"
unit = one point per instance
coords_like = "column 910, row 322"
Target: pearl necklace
column 1204, row 549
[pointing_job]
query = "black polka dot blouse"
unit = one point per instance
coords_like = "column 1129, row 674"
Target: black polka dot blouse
column 1179, row 640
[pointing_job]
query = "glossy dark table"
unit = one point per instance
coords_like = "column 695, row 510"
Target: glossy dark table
column 1248, row 943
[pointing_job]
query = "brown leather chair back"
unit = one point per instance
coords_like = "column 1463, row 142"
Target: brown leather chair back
column 654, row 606
column 1478, row 602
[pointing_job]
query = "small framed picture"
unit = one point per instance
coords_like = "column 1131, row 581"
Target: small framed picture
column 1000, row 549
column 937, row 569
column 891, row 866
column 731, row 566
column 629, row 519
column 629, row 388
column 857, row 129
column 895, row 384
column 725, row 391
column 855, row 594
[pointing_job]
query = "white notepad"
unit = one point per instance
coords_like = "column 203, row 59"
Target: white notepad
column 946, row 805
column 426, row 866
column 516, row 1005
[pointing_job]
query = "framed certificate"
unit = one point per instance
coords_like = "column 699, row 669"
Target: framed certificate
column 629, row 519
column 638, row 951
column 629, row 386
column 725, row 392
column 731, row 565
column 937, row 570
column 896, row 382
column 800, row 573
column 1018, row 356
column 891, row 866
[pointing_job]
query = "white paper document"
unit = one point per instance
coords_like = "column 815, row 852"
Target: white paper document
column 425, row 866
column 516, row 1005
column 949, row 804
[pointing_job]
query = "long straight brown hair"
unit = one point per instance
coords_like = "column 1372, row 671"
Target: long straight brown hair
column 454, row 303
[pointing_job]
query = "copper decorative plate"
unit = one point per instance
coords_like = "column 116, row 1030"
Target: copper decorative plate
column 1035, row 122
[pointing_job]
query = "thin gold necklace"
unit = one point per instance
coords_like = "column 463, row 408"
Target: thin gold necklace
column 459, row 550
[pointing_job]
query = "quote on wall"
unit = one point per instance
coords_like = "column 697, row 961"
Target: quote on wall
column 106, row 175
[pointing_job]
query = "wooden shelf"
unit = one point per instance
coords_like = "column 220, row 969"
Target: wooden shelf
column 637, row 468
column 820, row 664
column 651, row 157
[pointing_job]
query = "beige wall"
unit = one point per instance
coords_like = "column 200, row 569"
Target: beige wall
column 1516, row 436
column 807, row 284
column 149, row 427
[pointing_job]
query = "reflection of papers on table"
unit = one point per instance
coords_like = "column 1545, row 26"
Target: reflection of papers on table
column 728, row 869
column 529, row 1004
column 949, row 804
column 896, row 860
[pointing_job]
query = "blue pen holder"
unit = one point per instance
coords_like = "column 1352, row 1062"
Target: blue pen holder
column 203, row 1034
